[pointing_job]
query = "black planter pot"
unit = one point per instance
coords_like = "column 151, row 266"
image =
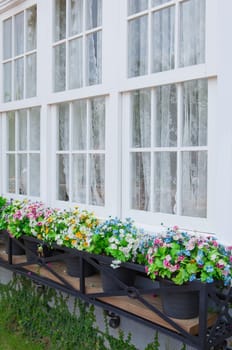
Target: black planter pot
column 16, row 248
column 74, row 268
column 180, row 305
column 34, row 250
column 123, row 274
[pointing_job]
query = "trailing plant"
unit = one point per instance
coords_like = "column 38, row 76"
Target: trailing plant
column 42, row 314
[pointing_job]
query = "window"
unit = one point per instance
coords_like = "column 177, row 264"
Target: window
column 77, row 48
column 168, row 149
column 23, row 152
column 81, row 151
column 158, row 40
column 19, row 55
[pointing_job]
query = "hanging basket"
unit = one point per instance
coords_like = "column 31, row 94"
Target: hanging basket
column 179, row 304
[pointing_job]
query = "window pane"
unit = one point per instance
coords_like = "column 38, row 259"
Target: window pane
column 60, row 20
column 97, row 124
column 165, row 168
column 31, row 18
column 22, row 129
column 11, row 131
column 63, row 127
column 7, row 85
column 194, row 184
column 165, row 130
column 159, row 2
column 19, row 34
column 93, row 13
column 97, row 179
column 7, row 39
column 34, row 129
column 79, row 178
column 135, row 6
column 60, row 66
column 11, row 174
column 22, row 177
column 63, row 177
column 194, row 123
column 94, row 58
column 75, row 17
column 31, row 75
column 140, row 180
column 163, row 28
column 34, row 175
column 137, row 47
column 75, row 64
column 79, row 125
column 192, row 32
column 18, row 79
column 141, row 118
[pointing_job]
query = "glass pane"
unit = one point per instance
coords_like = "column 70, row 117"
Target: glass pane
column 22, row 177
column 135, row 6
column 79, row 125
column 192, row 32
column 22, row 129
column 34, row 129
column 7, row 38
column 31, row 28
column 60, row 20
column 141, row 118
column 93, row 13
column 138, row 47
column 34, row 175
column 75, row 64
column 165, row 130
column 19, row 34
column 59, row 67
column 11, row 174
column 140, row 180
column 163, row 30
column 165, row 170
column 195, row 111
column 159, row 2
column 31, row 75
column 75, row 17
column 194, row 184
column 63, row 126
column 97, row 179
column 11, row 131
column 79, row 178
column 18, row 79
column 7, row 78
column 97, row 124
column 94, row 58
column 63, row 177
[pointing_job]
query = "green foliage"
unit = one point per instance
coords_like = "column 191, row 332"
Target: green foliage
column 41, row 314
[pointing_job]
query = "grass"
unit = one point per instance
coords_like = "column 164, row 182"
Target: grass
column 14, row 341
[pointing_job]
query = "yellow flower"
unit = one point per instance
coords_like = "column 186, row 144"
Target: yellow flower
column 73, row 242
column 79, row 235
column 46, row 230
column 50, row 219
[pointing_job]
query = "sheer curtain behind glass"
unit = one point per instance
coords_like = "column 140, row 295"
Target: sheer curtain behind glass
column 79, row 144
column 141, row 138
column 192, row 32
column 194, row 163
column 97, row 143
column 138, row 46
column 63, row 147
column 163, row 30
column 165, row 162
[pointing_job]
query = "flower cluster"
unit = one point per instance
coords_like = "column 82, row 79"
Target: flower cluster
column 116, row 238
column 184, row 257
